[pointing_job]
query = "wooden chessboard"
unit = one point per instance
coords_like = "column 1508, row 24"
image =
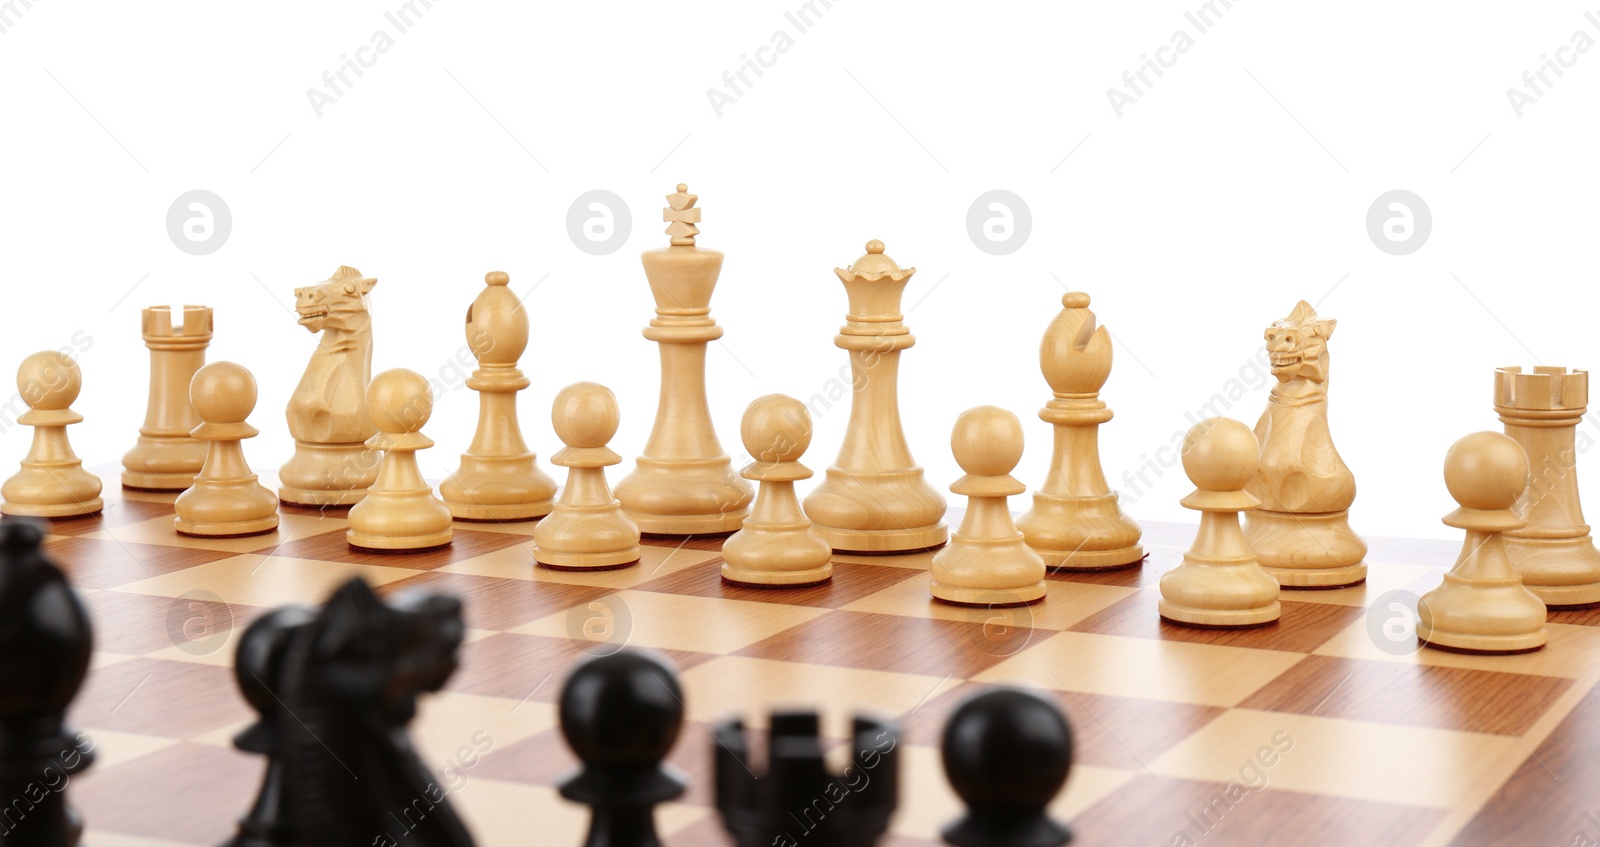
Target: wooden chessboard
column 1334, row 740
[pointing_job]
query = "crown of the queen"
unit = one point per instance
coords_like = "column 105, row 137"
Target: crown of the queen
column 681, row 216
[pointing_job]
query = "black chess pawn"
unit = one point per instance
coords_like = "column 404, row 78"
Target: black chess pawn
column 621, row 715
column 1007, row 753
column 799, row 800
column 45, row 643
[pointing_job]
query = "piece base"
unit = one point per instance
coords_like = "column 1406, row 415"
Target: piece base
column 310, row 497
column 681, row 525
column 885, row 540
column 1318, row 578
column 1220, row 618
column 599, row 561
column 404, row 544
column 506, row 512
column 1118, row 559
column 1566, row 596
column 1460, row 642
column 65, row 510
column 139, row 481
column 229, row 529
column 776, row 579
column 989, row 598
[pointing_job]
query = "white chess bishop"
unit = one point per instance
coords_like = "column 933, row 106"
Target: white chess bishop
column 499, row 478
column 1075, row 522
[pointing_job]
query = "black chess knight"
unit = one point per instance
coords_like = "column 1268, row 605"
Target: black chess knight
column 335, row 689
column 45, row 642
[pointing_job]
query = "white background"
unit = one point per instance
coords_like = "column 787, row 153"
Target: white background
column 1238, row 184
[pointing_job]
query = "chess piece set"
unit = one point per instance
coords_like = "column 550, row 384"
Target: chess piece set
column 1274, row 502
column 335, row 687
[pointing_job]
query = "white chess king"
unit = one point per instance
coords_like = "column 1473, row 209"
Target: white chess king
column 683, row 484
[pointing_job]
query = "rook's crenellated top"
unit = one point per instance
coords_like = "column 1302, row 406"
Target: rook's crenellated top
column 1543, row 389
column 798, row 795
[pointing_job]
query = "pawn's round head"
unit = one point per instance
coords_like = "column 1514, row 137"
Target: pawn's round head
column 1007, row 749
column 399, row 401
column 1486, row 471
column 49, row 380
column 622, row 709
column 1220, row 454
column 987, row 441
column 776, row 428
column 223, row 392
column 585, row 414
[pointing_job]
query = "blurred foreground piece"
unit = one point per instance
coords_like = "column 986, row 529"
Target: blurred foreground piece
column 1219, row 583
column 798, row 800
column 335, row 688
column 1007, row 753
column 1483, row 607
column 1554, row 552
column 45, row 643
column 621, row 715
column 167, row 457
column 52, row 482
column 1075, row 523
column 1301, row 531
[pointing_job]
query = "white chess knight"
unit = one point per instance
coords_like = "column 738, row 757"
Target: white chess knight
column 327, row 413
column 1301, row 533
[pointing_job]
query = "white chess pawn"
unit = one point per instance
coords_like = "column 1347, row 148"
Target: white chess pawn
column 1220, row 583
column 988, row 561
column 400, row 511
column 1483, row 607
column 52, row 482
column 587, row 529
column 226, row 499
column 777, row 546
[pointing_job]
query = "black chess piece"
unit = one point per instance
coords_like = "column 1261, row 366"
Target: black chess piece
column 798, row 800
column 335, row 689
column 260, row 658
column 45, row 643
column 1007, row 753
column 621, row 715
